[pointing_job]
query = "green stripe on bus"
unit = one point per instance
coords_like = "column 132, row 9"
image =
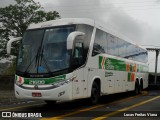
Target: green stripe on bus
column 119, row 65
column 112, row 64
column 100, row 61
column 31, row 81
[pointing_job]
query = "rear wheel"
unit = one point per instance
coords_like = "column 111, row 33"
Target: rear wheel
column 141, row 87
column 95, row 93
column 137, row 88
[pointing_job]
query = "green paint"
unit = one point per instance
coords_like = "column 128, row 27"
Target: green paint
column 129, row 76
column 42, row 81
column 119, row 65
column 100, row 61
column 112, row 64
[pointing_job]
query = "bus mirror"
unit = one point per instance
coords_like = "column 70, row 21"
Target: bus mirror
column 71, row 38
column 10, row 43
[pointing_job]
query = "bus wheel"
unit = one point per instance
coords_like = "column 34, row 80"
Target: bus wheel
column 141, row 87
column 50, row 102
column 136, row 91
column 95, row 93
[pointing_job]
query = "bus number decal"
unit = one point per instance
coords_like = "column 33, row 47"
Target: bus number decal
column 37, row 82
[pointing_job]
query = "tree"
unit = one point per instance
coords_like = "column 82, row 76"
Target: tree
column 14, row 20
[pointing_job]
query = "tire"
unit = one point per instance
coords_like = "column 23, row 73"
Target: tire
column 95, row 93
column 137, row 88
column 141, row 87
column 50, row 102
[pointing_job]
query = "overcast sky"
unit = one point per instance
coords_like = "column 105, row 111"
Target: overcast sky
column 139, row 20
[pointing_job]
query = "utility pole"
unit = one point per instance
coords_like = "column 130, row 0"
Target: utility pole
column 156, row 62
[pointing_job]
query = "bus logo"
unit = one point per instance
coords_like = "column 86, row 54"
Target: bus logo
column 20, row 80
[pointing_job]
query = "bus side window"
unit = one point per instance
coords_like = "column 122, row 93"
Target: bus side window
column 99, row 43
column 121, row 48
column 112, row 45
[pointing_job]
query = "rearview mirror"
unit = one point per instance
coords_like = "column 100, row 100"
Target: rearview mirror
column 71, row 38
column 10, row 43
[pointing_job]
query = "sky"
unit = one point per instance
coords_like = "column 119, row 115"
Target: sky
column 136, row 19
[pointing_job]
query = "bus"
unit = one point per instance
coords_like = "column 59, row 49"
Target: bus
column 75, row 58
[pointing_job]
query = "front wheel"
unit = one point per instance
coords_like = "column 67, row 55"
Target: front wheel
column 95, row 93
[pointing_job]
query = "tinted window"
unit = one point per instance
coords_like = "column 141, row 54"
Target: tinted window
column 55, row 48
column 112, row 45
column 30, row 44
column 122, row 47
column 99, row 43
column 44, row 51
column 107, row 43
column 88, row 30
column 130, row 51
column 141, row 56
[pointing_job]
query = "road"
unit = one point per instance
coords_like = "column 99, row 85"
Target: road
column 119, row 106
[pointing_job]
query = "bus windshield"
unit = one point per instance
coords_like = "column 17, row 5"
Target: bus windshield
column 44, row 50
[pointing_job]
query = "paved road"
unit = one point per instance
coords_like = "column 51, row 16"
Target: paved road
column 124, row 106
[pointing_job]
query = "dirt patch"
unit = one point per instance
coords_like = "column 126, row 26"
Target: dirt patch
column 7, row 96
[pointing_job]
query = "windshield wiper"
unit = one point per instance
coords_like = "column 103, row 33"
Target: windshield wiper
column 36, row 57
column 42, row 58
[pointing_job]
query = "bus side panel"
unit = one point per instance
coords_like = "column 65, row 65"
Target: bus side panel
column 78, row 87
column 109, row 82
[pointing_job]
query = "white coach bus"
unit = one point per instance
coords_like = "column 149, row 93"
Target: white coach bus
column 68, row 59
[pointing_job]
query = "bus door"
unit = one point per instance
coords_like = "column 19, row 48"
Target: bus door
column 78, row 83
column 78, row 87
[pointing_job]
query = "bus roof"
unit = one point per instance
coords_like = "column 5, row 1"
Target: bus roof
column 65, row 21
column 91, row 22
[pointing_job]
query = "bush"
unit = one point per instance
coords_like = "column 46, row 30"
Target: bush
column 11, row 69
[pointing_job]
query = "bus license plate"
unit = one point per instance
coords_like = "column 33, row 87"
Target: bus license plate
column 36, row 94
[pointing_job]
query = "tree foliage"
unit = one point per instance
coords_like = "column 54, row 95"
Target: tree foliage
column 14, row 20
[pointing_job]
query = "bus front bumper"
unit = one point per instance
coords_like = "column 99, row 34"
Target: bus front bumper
column 62, row 93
